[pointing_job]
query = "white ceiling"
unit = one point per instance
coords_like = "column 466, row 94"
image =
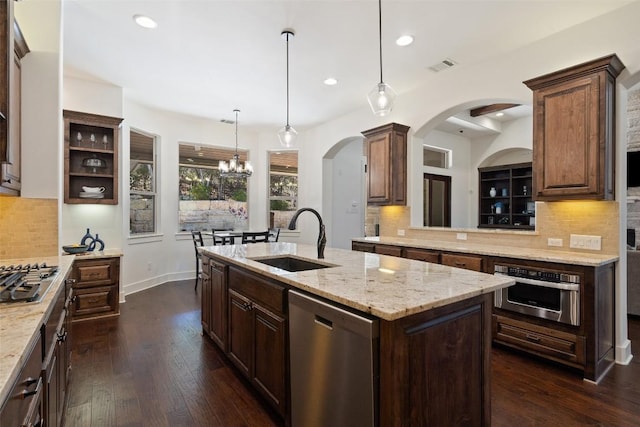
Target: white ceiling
column 208, row 57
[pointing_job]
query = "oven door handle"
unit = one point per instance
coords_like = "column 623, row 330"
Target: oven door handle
column 562, row 285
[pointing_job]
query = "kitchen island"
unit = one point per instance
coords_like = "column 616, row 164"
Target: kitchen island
column 434, row 338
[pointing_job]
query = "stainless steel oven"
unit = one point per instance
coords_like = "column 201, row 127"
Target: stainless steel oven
column 551, row 295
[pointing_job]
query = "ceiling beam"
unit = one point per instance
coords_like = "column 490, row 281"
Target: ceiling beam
column 487, row 109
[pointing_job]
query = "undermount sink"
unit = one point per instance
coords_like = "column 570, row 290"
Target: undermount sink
column 291, row 264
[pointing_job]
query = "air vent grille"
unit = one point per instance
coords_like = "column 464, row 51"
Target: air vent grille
column 227, row 121
column 443, row 65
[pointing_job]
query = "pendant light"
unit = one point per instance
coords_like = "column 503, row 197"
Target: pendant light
column 287, row 134
column 235, row 168
column 382, row 95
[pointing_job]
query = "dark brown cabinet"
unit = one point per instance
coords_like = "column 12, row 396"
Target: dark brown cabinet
column 96, row 288
column 468, row 262
column 214, row 301
column 508, row 188
column 90, row 157
column 11, row 104
column 386, row 150
column 257, row 334
column 573, row 131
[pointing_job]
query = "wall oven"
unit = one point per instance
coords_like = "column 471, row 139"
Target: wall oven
column 551, row 295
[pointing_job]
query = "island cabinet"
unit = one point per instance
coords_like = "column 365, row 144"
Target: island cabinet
column 90, row 157
column 435, row 366
column 257, row 341
column 386, row 151
column 214, row 301
column 573, row 131
column 96, row 288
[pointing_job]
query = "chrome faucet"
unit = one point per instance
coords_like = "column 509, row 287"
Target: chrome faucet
column 322, row 237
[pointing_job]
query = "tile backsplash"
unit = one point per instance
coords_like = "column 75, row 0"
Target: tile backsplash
column 28, row 227
column 557, row 220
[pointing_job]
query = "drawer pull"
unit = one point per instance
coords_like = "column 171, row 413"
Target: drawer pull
column 71, row 281
column 460, row 264
column 27, row 393
column 533, row 338
column 30, row 380
column 62, row 337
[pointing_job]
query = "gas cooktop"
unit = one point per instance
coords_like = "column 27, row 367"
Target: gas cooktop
column 25, row 283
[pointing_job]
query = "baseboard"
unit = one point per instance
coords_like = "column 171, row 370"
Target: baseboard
column 623, row 353
column 132, row 288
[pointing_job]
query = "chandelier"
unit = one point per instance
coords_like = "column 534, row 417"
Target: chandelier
column 287, row 134
column 382, row 95
column 234, row 168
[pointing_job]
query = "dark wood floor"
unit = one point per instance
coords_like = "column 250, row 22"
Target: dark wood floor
column 152, row 367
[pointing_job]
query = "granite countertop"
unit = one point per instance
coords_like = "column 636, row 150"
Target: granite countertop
column 384, row 286
column 20, row 323
column 589, row 259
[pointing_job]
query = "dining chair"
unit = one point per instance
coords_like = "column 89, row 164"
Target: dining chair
column 197, row 241
column 221, row 240
column 255, row 236
column 274, row 233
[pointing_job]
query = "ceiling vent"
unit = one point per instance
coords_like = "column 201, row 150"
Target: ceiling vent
column 227, row 121
column 442, row 65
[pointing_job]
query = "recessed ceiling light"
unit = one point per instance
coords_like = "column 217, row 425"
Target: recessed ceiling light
column 145, row 21
column 330, row 81
column 404, row 40
column 500, row 114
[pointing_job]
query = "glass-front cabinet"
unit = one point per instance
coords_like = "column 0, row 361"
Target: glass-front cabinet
column 505, row 197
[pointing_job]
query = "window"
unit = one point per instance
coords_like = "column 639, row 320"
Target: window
column 437, row 200
column 436, row 157
column 142, row 183
column 283, row 187
column 208, row 200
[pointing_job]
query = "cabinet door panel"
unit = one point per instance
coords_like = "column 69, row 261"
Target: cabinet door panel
column 240, row 332
column 379, row 154
column 269, row 362
column 218, row 278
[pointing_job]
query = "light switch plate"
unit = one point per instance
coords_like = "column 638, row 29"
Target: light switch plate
column 554, row 242
column 579, row 241
column 400, row 232
column 461, row 236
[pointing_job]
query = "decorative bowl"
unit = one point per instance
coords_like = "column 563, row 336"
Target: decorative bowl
column 75, row 248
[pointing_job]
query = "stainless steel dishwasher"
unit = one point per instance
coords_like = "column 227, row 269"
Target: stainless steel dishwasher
column 334, row 366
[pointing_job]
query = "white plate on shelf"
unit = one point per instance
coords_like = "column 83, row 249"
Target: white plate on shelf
column 91, row 195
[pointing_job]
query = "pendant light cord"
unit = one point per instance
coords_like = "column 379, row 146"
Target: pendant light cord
column 380, row 35
column 236, row 111
column 288, row 80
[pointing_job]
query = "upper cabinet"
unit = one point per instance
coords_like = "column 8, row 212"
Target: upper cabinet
column 90, row 158
column 386, row 149
column 13, row 49
column 573, row 131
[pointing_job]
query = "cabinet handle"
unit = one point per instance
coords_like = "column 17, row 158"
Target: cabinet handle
column 26, row 393
column 33, row 416
column 247, row 306
column 29, row 381
column 71, row 281
column 62, row 337
column 460, row 264
column 533, row 338
column 7, row 181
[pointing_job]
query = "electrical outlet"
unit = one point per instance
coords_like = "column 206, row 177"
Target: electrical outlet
column 400, row 232
column 461, row 236
column 554, row 242
column 579, row 241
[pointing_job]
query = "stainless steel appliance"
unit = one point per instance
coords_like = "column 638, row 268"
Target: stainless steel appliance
column 25, row 283
column 552, row 295
column 333, row 364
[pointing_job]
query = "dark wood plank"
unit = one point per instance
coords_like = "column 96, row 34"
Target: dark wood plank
column 488, row 109
column 152, row 367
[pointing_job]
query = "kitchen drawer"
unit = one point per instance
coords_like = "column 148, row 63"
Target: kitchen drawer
column 95, row 302
column 389, row 250
column 539, row 340
column 258, row 289
column 98, row 272
column 468, row 262
column 25, row 399
column 422, row 255
column 362, row 247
